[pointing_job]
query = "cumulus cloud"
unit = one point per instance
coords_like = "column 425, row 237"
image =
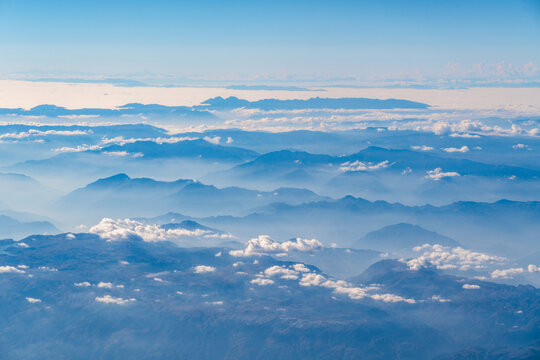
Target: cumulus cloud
column 159, row 140
column 262, row 281
column 422, row 147
column 282, row 272
column 213, row 140
column 437, row 174
column 301, row 268
column 108, row 299
column 353, row 292
column 32, row 300
column 465, row 135
column 203, row 269
column 10, row 269
column 533, row 268
column 361, row 166
column 79, row 148
column 83, row 284
column 121, row 229
column 264, row 245
column 37, row 133
column 521, row 147
column 105, row 285
column 462, row 149
column 471, row 286
column 444, row 257
column 307, row 278
column 506, row 273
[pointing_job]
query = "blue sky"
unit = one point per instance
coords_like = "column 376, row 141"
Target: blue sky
column 271, row 39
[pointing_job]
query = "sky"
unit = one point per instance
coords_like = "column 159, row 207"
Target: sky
column 281, row 41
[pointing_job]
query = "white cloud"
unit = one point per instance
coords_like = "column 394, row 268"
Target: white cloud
column 10, row 269
column 421, row 147
column 506, row 273
column 36, row 133
column 213, row 140
column 108, row 299
column 533, row 268
column 521, row 147
column 264, row 245
column 159, row 140
column 465, row 135
column 46, row 268
column 79, row 148
column 203, row 269
column 471, row 286
column 301, row 268
column 462, row 149
column 437, row 174
column 262, row 281
column 282, row 272
column 342, row 287
column 439, row 298
column 230, row 140
column 121, row 229
column 361, row 166
column 219, row 302
column 83, row 284
column 105, row 285
column 444, row 257
column 32, row 300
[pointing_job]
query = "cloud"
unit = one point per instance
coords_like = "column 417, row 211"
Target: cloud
column 264, row 245
column 218, row 302
column 308, row 278
column 37, row 133
column 230, row 140
column 159, row 140
column 437, row 174
column 465, row 135
column 421, row 147
column 262, row 281
column 471, row 286
column 105, row 285
column 32, row 300
column 439, row 298
column 10, row 269
column 361, row 166
column 203, row 269
column 213, row 140
column 108, row 299
column 521, row 147
column 356, row 293
column 462, row 149
column 444, row 257
column 83, row 284
column 282, row 272
column 506, row 273
column 79, row 148
column 121, row 229
column 301, row 268
column 533, row 268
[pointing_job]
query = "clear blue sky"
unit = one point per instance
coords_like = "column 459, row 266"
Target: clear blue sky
column 229, row 39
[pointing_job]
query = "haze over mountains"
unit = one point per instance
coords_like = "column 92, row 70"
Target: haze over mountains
column 306, row 228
